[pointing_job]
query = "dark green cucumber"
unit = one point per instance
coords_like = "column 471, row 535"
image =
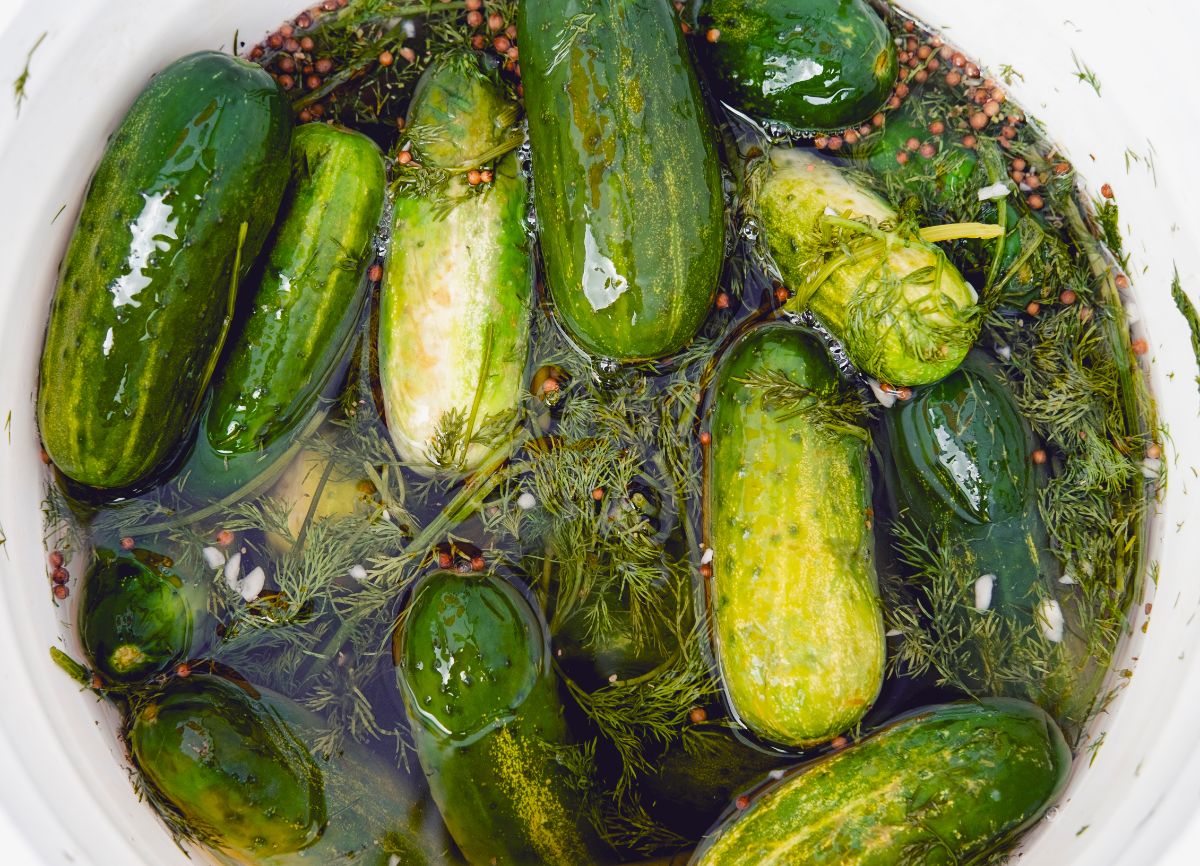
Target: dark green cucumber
column 173, row 217
column 955, row 175
column 961, row 472
column 138, row 617
column 902, row 312
column 626, row 180
column 455, row 304
column 487, row 719
column 232, row 770
column 811, row 64
column 301, row 315
column 794, row 598
column 947, row 785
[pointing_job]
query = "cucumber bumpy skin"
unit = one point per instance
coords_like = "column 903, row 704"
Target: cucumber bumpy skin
column 174, row 216
column 794, row 598
column 486, row 718
column 903, row 313
column 457, row 289
column 949, row 784
column 627, row 183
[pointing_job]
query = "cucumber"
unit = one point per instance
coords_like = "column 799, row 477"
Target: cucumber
column 794, row 599
column 955, row 175
column 459, row 115
column 455, row 308
column 174, row 216
column 487, row 721
column 300, row 317
column 811, row 64
column 949, row 784
column 137, row 617
column 339, row 491
column 230, row 769
column 961, row 472
column 626, row 180
column 902, row 312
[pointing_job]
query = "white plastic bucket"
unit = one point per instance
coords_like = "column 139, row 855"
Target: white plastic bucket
column 63, row 780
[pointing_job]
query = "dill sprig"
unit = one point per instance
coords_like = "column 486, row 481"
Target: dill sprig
column 834, row 409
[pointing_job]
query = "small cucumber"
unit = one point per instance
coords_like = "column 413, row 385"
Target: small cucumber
column 338, row 489
column 173, row 217
column 229, row 767
column 486, row 718
column 947, row 785
column 627, row 184
column 811, row 64
column 961, row 472
column 301, row 315
column 138, row 617
column 455, row 308
column 900, row 309
column 794, row 598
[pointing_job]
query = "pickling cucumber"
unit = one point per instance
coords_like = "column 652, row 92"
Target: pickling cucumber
column 627, row 185
column 300, row 317
column 339, row 490
column 138, row 617
column 961, row 471
column 232, row 771
column 901, row 310
column 794, row 597
column 457, row 289
column 811, row 64
column 949, row 784
column 473, row 667
column 174, row 216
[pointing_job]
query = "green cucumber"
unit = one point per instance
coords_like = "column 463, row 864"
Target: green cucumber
column 626, row 180
column 486, row 717
column 138, row 617
column 955, row 175
column 902, row 312
column 301, row 315
column 174, row 216
column 459, row 115
column 811, row 64
column 961, row 473
column 457, row 289
column 794, row 598
column 230, row 769
column 947, row 785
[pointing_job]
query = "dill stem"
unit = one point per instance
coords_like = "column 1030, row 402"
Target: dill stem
column 959, row 231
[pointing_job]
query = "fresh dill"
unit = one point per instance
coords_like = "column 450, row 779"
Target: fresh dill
column 833, row 409
column 1084, row 73
column 1188, row 310
column 22, row 80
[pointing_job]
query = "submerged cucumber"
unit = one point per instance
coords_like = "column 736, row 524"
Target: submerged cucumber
column 301, row 315
column 794, row 598
column 903, row 313
column 455, row 307
column 961, row 472
column 626, row 180
column 233, row 771
column 487, row 721
column 944, row 786
column 174, row 216
column 138, row 617
column 812, row 64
